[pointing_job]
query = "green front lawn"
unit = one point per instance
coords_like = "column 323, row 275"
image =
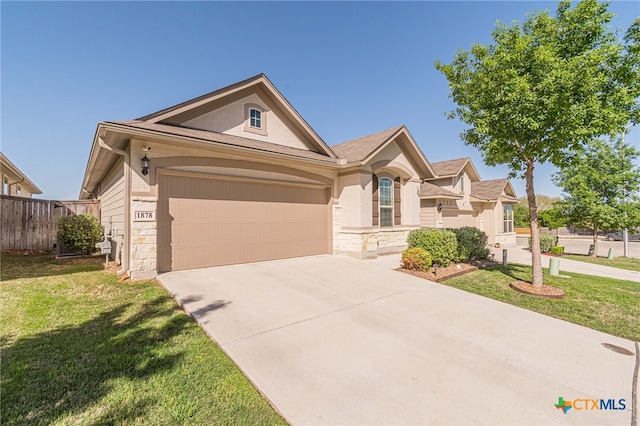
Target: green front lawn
column 602, row 304
column 80, row 347
column 629, row 263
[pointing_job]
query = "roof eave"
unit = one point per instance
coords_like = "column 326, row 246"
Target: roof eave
column 16, row 171
column 475, row 199
column 509, row 200
column 94, row 154
column 332, row 162
column 441, row 196
column 104, row 127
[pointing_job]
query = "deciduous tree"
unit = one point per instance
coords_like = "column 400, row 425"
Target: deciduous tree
column 553, row 218
column 521, row 215
column 544, row 89
column 602, row 188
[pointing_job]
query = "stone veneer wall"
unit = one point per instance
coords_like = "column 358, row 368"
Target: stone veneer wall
column 144, row 249
column 367, row 243
column 370, row 243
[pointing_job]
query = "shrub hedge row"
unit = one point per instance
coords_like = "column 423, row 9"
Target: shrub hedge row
column 546, row 242
column 447, row 246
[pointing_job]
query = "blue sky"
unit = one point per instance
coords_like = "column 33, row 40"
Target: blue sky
column 350, row 69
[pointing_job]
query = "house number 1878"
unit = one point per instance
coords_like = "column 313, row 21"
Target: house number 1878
column 143, row 215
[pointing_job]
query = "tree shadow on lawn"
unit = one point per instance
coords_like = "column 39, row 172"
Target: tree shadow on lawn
column 17, row 265
column 515, row 271
column 67, row 371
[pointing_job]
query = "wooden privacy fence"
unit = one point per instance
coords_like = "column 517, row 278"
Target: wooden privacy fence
column 564, row 231
column 32, row 224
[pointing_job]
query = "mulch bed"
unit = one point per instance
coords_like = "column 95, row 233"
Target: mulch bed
column 544, row 291
column 454, row 270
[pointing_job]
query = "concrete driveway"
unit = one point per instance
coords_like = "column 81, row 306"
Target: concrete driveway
column 333, row 340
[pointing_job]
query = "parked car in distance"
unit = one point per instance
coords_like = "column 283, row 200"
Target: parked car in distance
column 617, row 236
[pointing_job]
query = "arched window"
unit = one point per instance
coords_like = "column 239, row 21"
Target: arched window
column 255, row 119
column 386, row 202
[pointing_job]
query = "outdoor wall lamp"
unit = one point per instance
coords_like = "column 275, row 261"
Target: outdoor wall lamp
column 145, row 161
column 145, row 164
column 439, row 207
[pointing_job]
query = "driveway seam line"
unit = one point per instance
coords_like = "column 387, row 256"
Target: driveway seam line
column 323, row 314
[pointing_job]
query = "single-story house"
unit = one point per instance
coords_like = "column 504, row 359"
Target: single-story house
column 237, row 175
column 14, row 181
column 457, row 197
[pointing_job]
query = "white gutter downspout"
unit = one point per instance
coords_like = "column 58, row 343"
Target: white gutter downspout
column 127, row 202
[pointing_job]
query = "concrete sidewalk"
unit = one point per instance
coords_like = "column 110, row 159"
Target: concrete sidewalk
column 522, row 255
column 333, row 340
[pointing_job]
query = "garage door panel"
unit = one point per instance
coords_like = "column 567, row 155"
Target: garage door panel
column 207, row 222
column 199, row 232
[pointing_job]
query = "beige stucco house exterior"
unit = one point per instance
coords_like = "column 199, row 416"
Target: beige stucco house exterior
column 14, row 181
column 237, row 175
column 457, row 197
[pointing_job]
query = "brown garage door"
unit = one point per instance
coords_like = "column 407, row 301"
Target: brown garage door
column 209, row 222
column 458, row 219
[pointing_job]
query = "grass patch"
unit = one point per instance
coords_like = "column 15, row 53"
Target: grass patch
column 602, row 304
column 629, row 263
column 79, row 347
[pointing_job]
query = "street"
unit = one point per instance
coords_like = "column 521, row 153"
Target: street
column 580, row 245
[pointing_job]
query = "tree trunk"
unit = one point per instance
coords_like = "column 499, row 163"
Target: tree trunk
column 536, row 261
column 595, row 241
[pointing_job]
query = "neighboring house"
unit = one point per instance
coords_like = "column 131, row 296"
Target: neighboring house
column 14, row 182
column 237, row 175
column 457, row 197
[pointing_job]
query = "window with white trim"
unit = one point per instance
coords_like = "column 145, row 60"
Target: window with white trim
column 255, row 119
column 462, row 184
column 18, row 190
column 507, row 218
column 386, row 202
column 5, row 185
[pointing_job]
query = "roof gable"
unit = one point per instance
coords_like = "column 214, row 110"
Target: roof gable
column 362, row 150
column 358, row 149
column 492, row 190
column 224, row 111
column 455, row 167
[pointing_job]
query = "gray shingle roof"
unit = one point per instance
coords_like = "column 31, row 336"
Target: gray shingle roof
column 449, row 167
column 359, row 149
column 222, row 138
column 489, row 189
column 429, row 190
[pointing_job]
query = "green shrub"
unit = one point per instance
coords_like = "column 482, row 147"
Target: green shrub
column 80, row 233
column 546, row 242
column 472, row 242
column 557, row 250
column 416, row 258
column 440, row 243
